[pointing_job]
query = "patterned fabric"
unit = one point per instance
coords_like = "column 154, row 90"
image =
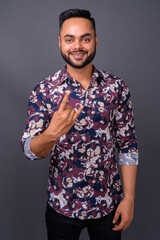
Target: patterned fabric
column 84, row 181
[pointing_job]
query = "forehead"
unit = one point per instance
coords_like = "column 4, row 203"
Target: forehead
column 76, row 26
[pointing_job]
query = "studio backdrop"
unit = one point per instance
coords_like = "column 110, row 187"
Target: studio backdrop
column 128, row 46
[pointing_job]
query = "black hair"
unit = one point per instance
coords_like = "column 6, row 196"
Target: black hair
column 71, row 13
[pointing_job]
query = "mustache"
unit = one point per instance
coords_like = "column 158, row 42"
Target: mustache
column 77, row 51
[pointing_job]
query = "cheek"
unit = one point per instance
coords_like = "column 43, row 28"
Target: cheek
column 91, row 48
column 65, row 47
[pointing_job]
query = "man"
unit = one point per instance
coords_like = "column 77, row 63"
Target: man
column 78, row 115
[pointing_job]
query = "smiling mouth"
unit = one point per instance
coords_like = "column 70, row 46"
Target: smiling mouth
column 77, row 54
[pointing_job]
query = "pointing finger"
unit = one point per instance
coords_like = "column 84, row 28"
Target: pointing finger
column 64, row 101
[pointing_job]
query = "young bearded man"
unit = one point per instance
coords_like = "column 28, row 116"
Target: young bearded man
column 78, row 115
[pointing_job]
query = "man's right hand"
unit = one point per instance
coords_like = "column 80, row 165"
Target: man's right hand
column 63, row 119
column 60, row 124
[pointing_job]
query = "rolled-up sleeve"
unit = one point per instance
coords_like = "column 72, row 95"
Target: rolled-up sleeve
column 37, row 121
column 126, row 139
column 27, row 150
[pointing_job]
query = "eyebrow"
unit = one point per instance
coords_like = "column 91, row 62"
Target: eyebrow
column 82, row 36
column 86, row 34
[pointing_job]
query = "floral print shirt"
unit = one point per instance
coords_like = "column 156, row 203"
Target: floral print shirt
column 84, row 181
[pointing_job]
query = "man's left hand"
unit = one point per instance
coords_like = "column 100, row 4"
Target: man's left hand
column 123, row 215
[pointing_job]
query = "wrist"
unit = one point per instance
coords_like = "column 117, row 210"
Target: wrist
column 50, row 136
column 129, row 197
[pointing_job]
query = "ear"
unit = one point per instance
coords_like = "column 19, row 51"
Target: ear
column 96, row 39
column 59, row 41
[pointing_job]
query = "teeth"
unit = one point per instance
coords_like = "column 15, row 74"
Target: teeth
column 79, row 54
column 76, row 53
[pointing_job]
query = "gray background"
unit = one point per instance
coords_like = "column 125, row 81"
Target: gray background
column 129, row 47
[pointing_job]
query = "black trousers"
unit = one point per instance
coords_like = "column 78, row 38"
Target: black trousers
column 60, row 227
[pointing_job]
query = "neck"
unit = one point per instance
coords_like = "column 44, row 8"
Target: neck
column 81, row 74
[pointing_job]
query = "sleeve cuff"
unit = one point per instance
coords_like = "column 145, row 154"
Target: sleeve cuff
column 29, row 154
column 128, row 158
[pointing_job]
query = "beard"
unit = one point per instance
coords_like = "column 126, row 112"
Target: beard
column 84, row 63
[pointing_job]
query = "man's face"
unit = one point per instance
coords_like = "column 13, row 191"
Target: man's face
column 77, row 42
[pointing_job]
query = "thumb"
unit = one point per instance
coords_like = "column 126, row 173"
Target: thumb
column 116, row 216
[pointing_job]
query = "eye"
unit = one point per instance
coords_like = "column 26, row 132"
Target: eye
column 86, row 40
column 68, row 40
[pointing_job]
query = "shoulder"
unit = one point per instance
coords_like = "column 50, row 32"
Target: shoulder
column 112, row 79
column 50, row 82
column 52, row 79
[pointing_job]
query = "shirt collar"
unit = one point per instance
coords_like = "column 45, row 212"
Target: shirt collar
column 65, row 76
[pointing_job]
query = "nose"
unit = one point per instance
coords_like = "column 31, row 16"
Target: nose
column 77, row 44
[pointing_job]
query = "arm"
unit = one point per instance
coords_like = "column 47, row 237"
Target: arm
column 41, row 133
column 60, row 124
column 126, row 141
column 125, row 209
